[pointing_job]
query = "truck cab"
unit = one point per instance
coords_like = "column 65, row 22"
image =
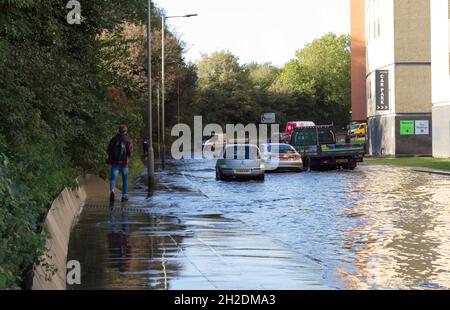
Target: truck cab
column 290, row 126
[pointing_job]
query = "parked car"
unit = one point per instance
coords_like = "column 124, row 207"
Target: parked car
column 281, row 157
column 358, row 130
column 240, row 161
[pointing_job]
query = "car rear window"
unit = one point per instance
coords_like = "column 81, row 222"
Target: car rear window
column 281, row 149
column 326, row 136
column 242, row 153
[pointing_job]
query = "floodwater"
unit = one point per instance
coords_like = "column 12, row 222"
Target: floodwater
column 373, row 228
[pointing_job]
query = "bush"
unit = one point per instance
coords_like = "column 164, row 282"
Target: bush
column 39, row 171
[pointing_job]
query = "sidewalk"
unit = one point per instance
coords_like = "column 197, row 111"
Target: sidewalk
column 438, row 172
column 142, row 245
column 419, row 164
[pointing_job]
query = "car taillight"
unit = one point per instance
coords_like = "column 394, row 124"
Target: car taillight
column 288, row 156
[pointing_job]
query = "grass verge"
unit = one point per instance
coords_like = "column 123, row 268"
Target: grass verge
column 418, row 162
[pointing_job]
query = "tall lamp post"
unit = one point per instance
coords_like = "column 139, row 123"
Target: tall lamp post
column 163, row 90
column 150, row 156
column 159, row 123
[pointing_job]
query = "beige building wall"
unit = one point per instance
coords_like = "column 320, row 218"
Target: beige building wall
column 440, row 53
column 412, row 29
column 413, row 88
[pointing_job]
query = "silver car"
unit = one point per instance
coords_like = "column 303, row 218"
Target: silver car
column 281, row 157
column 240, row 161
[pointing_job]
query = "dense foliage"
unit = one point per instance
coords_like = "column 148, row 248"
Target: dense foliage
column 64, row 90
column 225, row 91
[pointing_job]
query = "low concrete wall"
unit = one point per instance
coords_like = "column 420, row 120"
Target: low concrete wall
column 60, row 219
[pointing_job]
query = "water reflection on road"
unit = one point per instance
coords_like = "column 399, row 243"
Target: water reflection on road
column 376, row 227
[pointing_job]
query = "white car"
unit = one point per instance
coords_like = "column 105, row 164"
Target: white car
column 215, row 142
column 281, row 157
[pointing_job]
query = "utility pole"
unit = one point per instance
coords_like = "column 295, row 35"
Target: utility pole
column 150, row 156
column 163, row 93
column 178, row 97
column 159, row 121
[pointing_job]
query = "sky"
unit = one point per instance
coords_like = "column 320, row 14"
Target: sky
column 255, row 30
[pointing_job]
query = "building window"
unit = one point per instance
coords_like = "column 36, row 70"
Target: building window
column 379, row 26
column 374, row 29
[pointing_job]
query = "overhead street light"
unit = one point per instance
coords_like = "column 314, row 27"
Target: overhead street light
column 163, row 91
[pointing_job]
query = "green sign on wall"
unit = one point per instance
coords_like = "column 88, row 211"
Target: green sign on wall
column 407, row 128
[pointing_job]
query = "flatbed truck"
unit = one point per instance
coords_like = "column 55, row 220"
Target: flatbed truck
column 319, row 150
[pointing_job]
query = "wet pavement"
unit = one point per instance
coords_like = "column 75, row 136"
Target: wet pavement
column 373, row 228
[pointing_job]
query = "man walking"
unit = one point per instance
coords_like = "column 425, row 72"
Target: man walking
column 120, row 149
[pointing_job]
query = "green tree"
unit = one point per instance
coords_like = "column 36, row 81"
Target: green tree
column 262, row 75
column 123, row 58
column 225, row 90
column 319, row 79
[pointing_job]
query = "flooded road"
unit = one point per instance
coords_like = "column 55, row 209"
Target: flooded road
column 373, row 228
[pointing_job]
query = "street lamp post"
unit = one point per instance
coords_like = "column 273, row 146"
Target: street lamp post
column 178, row 98
column 159, row 123
column 163, row 90
column 150, row 156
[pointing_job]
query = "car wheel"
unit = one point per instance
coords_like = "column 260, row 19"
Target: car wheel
column 219, row 175
column 351, row 165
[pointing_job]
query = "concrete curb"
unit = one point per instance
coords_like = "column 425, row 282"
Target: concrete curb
column 59, row 222
column 438, row 172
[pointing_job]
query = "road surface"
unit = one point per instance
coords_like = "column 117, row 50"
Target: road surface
column 373, row 228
